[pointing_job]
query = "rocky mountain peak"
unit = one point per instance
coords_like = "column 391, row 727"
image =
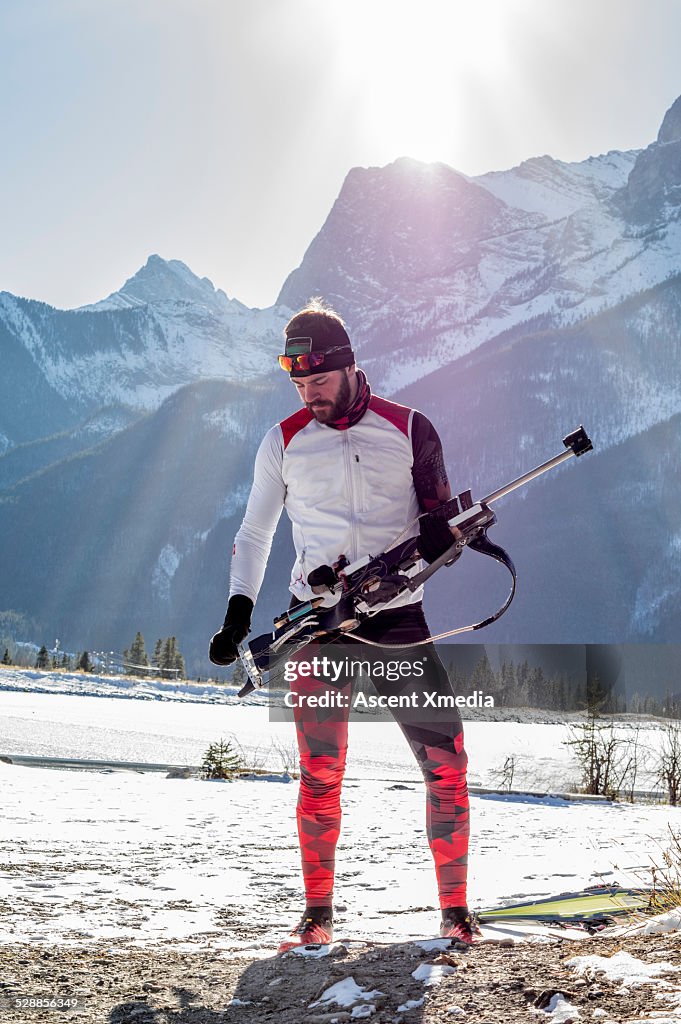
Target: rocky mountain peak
column 670, row 130
column 405, row 222
column 654, row 184
column 162, row 280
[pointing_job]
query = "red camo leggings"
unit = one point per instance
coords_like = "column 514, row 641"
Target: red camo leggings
column 436, row 741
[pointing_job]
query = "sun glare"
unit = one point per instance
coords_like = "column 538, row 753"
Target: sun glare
column 413, row 68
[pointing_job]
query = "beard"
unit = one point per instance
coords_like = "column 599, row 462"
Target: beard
column 330, row 411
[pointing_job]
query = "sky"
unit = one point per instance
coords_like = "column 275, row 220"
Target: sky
column 219, row 132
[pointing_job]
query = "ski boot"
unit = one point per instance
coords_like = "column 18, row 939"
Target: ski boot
column 459, row 924
column 315, row 929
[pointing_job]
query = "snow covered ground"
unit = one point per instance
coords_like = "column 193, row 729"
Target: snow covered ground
column 114, row 855
column 125, row 719
column 139, row 857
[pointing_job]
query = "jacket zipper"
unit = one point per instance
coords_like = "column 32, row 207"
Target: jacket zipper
column 359, row 479
column 351, row 494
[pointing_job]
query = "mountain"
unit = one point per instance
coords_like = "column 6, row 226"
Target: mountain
column 136, row 534
column 29, row 406
column 168, row 281
column 139, row 527
column 429, row 265
column 509, row 308
column 652, row 196
column 28, row 457
column 165, row 328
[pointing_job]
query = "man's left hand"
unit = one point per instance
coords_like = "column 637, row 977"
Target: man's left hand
column 321, row 579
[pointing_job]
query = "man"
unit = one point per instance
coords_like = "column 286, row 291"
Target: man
column 353, row 471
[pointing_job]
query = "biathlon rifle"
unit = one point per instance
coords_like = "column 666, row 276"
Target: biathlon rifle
column 371, row 584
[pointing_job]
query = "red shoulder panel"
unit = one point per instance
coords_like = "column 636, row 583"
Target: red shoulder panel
column 292, row 424
column 396, row 414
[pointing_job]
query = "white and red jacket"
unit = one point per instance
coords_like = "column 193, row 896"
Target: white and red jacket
column 347, row 492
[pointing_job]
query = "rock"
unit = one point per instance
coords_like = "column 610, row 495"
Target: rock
column 327, row 1018
column 670, row 129
column 545, row 997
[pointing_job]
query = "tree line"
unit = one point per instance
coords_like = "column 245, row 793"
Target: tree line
column 167, row 658
column 519, row 685
column 166, row 661
column 513, row 685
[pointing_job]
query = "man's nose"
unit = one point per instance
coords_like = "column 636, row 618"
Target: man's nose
column 310, row 392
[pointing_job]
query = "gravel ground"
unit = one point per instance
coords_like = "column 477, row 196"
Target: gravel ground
column 489, row 984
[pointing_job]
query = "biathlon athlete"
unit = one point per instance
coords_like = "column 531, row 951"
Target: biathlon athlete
column 353, row 471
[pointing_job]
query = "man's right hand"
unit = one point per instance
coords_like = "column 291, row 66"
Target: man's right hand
column 435, row 537
column 236, row 627
column 322, row 578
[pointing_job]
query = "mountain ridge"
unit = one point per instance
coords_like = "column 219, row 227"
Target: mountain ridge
column 506, row 324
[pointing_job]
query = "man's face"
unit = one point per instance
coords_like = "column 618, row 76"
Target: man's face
column 326, row 395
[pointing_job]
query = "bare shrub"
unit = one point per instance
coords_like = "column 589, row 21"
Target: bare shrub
column 668, row 767
column 287, row 752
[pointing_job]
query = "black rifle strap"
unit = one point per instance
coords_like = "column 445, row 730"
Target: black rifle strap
column 484, row 546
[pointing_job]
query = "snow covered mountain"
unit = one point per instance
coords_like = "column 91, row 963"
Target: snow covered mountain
column 508, row 307
column 167, row 281
column 165, row 328
column 431, row 265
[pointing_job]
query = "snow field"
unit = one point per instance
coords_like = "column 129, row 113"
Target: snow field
column 128, row 857
column 168, row 724
column 137, row 857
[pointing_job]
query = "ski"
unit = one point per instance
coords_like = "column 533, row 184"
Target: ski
column 593, row 907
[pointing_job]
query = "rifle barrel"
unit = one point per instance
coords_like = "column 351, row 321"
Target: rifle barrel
column 526, row 477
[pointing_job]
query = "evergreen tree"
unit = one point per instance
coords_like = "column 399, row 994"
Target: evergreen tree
column 158, row 653
column 84, row 663
column 171, row 661
column 6, row 660
column 522, row 677
column 221, row 761
column 549, row 698
column 65, row 662
column 138, row 655
column 168, row 656
column 483, row 677
column 457, row 678
column 43, row 659
column 562, row 695
column 180, row 666
column 508, row 687
column 536, row 685
column 597, row 693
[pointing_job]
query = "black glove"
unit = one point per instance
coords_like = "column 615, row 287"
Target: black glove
column 237, row 624
column 435, row 537
column 323, row 576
